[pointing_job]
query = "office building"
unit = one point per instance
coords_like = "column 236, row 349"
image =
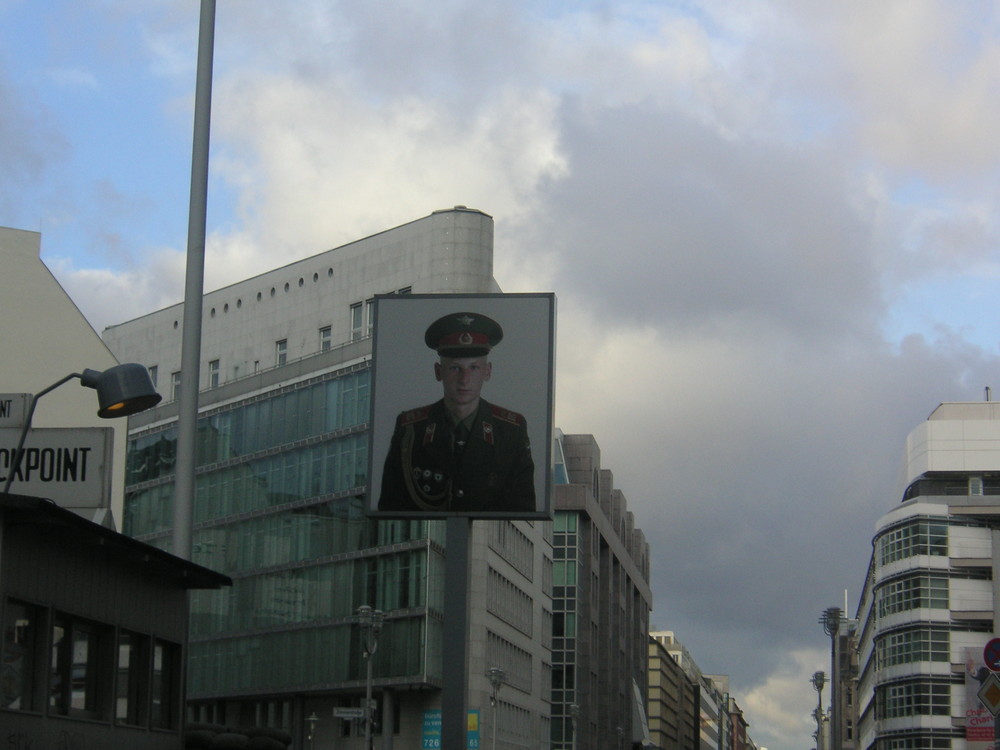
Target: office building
column 282, row 462
column 673, row 697
column 929, row 602
column 842, row 718
column 601, row 602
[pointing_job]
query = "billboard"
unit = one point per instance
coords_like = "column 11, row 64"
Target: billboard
column 462, row 405
column 979, row 721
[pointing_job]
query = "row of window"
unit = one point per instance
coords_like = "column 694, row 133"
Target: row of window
column 326, row 468
column 305, row 656
column 312, row 594
column 912, row 592
column 917, row 537
column 514, row 546
column 913, row 698
column 912, row 645
column 362, row 325
column 515, row 661
column 508, row 602
column 309, row 410
column 63, row 665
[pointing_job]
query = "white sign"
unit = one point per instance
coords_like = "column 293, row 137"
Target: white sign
column 69, row 465
column 349, row 713
column 14, row 409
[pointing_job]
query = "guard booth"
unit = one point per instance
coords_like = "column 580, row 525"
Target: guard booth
column 94, row 632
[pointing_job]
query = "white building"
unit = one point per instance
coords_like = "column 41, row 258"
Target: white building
column 45, row 337
column 929, row 606
column 282, row 468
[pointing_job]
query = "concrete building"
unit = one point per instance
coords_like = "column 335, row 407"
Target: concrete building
column 94, row 623
column 929, row 604
column 280, row 487
column 739, row 739
column 673, row 698
column 45, row 338
column 601, row 602
column 705, row 721
column 842, row 718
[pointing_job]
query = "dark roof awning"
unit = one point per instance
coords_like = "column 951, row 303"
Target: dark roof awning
column 66, row 527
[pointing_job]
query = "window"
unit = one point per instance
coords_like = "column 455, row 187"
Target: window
column 917, row 537
column 912, row 592
column 80, row 676
column 175, row 385
column 325, row 338
column 153, row 372
column 213, row 374
column 280, row 352
column 912, row 645
column 131, row 698
column 913, row 698
column 166, row 685
column 370, row 314
column 20, row 657
column 356, row 321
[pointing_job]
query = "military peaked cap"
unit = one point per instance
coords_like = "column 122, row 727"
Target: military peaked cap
column 463, row 334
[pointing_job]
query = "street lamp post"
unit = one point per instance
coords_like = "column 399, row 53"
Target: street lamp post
column 574, row 713
column 122, row 390
column 371, row 625
column 818, row 680
column 497, row 678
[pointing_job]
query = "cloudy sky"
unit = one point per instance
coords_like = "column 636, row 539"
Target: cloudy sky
column 771, row 227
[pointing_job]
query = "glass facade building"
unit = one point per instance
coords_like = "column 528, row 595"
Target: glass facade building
column 928, row 605
column 600, row 607
column 281, row 476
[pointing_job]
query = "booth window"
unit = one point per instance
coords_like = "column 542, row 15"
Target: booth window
column 80, row 677
column 132, row 683
column 166, row 684
column 21, row 622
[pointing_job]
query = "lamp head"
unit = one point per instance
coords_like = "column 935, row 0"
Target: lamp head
column 122, row 390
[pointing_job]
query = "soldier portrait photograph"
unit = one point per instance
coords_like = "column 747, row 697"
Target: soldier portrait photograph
column 459, row 444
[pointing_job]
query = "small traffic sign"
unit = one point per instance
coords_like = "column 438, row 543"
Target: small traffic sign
column 349, row 713
column 989, row 693
column 991, row 654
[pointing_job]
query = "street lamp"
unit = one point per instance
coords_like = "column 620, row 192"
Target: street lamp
column 818, row 680
column 312, row 719
column 497, row 678
column 121, row 390
column 371, row 625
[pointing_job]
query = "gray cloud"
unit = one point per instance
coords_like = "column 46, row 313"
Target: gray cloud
column 728, row 199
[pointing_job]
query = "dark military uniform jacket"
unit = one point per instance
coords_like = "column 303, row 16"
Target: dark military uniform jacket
column 424, row 470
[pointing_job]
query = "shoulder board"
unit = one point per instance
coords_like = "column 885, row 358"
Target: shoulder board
column 506, row 415
column 414, row 415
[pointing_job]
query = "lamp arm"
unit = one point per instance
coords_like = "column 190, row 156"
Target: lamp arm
column 15, row 463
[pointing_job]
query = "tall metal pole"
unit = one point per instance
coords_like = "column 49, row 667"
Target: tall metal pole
column 497, row 677
column 187, row 421
column 371, row 623
column 455, row 670
column 818, row 680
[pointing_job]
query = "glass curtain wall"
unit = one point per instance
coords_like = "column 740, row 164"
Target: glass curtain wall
column 280, row 509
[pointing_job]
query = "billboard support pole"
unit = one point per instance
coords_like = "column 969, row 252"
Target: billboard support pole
column 455, row 647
